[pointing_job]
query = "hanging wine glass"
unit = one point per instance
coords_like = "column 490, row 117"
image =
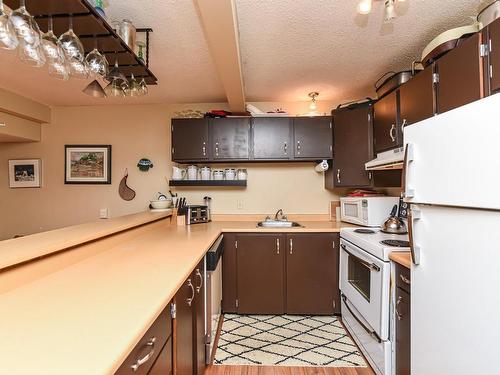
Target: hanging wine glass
column 31, row 54
column 95, row 90
column 59, row 70
column 144, row 88
column 71, row 44
column 97, row 63
column 51, row 46
column 8, row 37
column 115, row 73
column 134, row 88
column 25, row 25
column 114, row 89
column 78, row 69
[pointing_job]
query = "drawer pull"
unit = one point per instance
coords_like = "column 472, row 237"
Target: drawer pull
column 198, row 274
column 189, row 301
column 398, row 314
column 404, row 279
column 140, row 361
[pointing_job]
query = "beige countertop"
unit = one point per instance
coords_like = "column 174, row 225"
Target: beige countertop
column 402, row 258
column 82, row 311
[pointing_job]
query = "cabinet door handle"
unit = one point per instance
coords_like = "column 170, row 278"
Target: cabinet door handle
column 277, row 246
column 391, row 132
column 217, row 149
column 404, row 279
column 298, row 147
column 189, row 301
column 338, row 176
column 405, row 122
column 398, row 314
column 140, row 361
column 204, row 149
column 198, row 274
column 291, row 246
column 285, row 148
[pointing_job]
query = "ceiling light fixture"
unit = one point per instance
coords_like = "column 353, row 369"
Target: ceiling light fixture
column 313, row 106
column 390, row 13
column 365, row 7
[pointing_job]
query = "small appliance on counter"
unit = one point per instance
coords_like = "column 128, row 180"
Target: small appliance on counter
column 197, row 214
column 368, row 211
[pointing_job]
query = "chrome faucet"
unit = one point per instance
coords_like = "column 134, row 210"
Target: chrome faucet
column 280, row 216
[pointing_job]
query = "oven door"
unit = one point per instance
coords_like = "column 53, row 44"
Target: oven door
column 365, row 282
column 351, row 211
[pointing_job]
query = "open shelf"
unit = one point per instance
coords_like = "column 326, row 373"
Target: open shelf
column 89, row 26
column 235, row 183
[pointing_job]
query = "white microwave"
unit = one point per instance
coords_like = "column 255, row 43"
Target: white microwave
column 366, row 211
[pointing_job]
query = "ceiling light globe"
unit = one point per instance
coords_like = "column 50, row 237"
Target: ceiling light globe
column 365, row 7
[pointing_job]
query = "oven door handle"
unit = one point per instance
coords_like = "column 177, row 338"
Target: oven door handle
column 372, row 266
column 370, row 332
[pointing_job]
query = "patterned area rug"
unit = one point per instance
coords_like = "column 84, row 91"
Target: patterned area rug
column 286, row 340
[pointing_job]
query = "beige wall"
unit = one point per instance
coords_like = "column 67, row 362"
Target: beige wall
column 135, row 132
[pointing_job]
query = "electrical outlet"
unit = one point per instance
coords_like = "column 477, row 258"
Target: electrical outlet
column 103, row 213
column 239, row 205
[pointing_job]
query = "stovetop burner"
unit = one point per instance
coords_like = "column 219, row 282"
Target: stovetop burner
column 395, row 243
column 364, row 231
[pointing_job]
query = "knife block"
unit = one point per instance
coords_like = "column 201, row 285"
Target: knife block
column 176, row 218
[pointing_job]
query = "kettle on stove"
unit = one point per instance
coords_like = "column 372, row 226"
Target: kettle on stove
column 394, row 223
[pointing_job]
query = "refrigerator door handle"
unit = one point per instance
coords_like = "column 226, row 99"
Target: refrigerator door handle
column 413, row 214
column 407, row 192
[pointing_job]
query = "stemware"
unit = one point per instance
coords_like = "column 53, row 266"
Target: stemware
column 97, row 64
column 95, row 90
column 8, row 37
column 114, row 89
column 50, row 45
column 59, row 70
column 134, row 89
column 31, row 54
column 71, row 44
column 25, row 25
column 115, row 73
column 144, row 88
column 78, row 69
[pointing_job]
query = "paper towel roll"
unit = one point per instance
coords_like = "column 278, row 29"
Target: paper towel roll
column 322, row 166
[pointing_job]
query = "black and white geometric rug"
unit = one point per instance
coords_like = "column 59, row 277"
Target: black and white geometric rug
column 286, row 340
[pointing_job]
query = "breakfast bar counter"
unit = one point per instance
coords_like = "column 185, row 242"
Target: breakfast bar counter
column 81, row 310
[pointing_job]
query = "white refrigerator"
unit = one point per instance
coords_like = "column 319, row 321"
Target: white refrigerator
column 452, row 180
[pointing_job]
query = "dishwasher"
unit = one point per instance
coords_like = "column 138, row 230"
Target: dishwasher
column 213, row 295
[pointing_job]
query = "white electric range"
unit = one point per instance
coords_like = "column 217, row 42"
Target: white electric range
column 365, row 274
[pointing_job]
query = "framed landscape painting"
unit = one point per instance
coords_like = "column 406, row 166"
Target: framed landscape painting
column 87, row 164
column 24, row 173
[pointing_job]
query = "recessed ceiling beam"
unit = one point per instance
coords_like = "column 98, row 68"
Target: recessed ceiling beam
column 220, row 25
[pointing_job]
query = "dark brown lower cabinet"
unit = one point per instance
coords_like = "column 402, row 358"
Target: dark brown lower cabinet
column 276, row 273
column 144, row 358
column 184, row 328
column 403, row 321
column 199, row 319
column 260, row 267
column 163, row 364
column 312, row 273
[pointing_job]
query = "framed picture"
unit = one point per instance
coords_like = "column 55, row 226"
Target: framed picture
column 87, row 164
column 24, row 173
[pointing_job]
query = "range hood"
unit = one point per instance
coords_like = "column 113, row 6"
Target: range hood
column 392, row 159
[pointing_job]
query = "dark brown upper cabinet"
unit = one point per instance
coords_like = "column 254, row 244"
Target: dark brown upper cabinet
column 312, row 273
column 190, row 140
column 312, row 138
column 460, row 75
column 416, row 97
column 229, row 138
column 386, row 127
column 272, row 138
column 261, row 267
column 493, row 68
column 353, row 147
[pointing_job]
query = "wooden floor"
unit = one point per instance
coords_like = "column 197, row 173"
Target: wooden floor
column 281, row 370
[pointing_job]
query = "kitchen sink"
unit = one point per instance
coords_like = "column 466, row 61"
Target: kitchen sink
column 278, row 224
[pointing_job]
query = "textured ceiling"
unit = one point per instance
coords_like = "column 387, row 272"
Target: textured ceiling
column 288, row 48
